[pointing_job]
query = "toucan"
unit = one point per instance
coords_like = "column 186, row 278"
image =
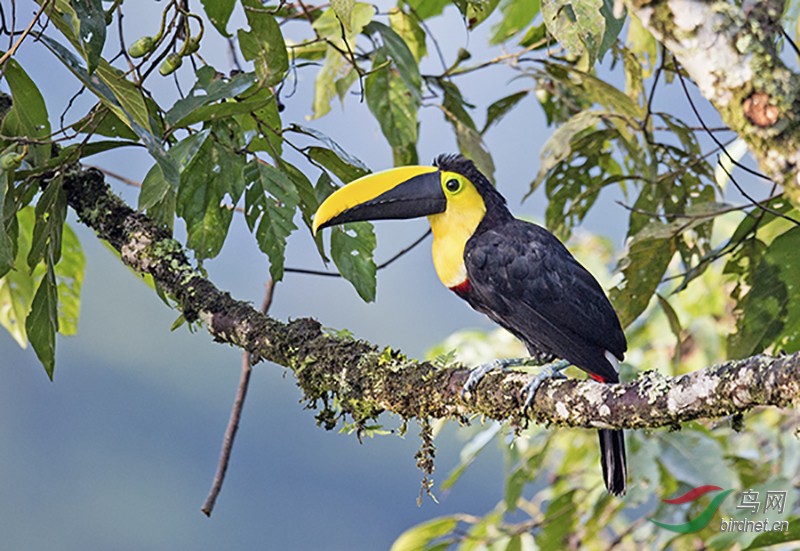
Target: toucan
column 516, row 272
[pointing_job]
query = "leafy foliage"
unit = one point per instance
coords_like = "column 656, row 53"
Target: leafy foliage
column 703, row 276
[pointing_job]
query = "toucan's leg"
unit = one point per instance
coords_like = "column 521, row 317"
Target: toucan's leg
column 549, row 371
column 477, row 373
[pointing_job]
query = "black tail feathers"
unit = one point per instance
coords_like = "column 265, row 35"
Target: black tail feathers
column 612, row 459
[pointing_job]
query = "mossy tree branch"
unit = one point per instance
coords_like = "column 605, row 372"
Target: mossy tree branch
column 367, row 380
column 730, row 53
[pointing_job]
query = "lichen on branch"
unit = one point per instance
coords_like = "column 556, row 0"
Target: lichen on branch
column 367, row 380
column 730, row 52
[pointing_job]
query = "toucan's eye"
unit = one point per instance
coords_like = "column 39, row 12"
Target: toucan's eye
column 452, row 185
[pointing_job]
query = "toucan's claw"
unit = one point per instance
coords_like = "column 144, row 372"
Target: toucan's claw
column 549, row 371
column 479, row 372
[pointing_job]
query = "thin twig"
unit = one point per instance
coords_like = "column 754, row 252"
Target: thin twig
column 790, row 41
column 134, row 183
column 708, row 130
column 756, row 203
column 653, row 94
column 236, row 415
column 12, row 50
column 125, row 180
column 381, row 266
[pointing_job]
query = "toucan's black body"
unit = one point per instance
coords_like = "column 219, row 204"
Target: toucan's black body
column 515, row 272
column 525, row 279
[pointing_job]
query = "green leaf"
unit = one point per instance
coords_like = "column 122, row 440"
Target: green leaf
column 69, row 280
column 305, row 191
column 92, row 29
column 404, row 61
column 7, row 216
column 560, row 520
column 768, row 539
column 213, row 176
column 471, row 145
column 765, row 317
column 344, row 11
column 642, row 268
column 574, row 182
column 468, row 454
column 597, row 90
column 427, row 8
column 674, row 326
column 41, row 324
column 209, row 88
column 51, row 212
column 470, row 142
column 28, row 114
column 420, row 536
column 393, row 104
column 263, row 44
column 475, row 12
column 516, row 16
column 263, row 122
column 643, row 44
column 696, row 214
column 330, row 143
column 352, row 247
column 535, row 37
column 334, row 69
column 270, row 203
column 499, row 109
column 558, row 146
column 158, row 195
column 578, row 25
column 111, row 87
column 695, row 458
column 330, row 27
column 104, row 122
column 342, row 169
column 219, row 111
column 73, row 153
column 17, row 287
column 120, row 95
column 613, row 27
column 219, row 12
column 154, row 188
column 409, row 29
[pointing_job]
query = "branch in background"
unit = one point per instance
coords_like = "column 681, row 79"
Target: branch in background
column 236, row 415
column 729, row 52
column 367, row 380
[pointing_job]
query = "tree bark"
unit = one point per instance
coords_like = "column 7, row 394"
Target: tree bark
column 367, row 380
column 730, row 52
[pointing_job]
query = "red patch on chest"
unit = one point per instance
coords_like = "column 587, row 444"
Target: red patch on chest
column 597, row 378
column 462, row 289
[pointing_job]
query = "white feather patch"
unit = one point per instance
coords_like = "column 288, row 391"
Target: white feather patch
column 612, row 360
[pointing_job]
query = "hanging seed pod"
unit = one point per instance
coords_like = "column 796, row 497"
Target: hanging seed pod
column 191, row 46
column 142, row 47
column 170, row 64
column 11, row 161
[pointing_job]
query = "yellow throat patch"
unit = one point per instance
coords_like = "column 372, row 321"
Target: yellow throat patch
column 453, row 227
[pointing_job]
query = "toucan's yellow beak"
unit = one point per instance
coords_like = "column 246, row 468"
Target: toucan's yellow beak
column 403, row 192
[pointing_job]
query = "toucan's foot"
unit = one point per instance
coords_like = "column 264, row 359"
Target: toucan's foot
column 479, row 372
column 549, row 371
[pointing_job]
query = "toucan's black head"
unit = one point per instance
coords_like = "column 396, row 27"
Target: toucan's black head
column 453, row 162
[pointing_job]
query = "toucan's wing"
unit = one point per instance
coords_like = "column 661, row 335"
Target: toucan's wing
column 526, row 280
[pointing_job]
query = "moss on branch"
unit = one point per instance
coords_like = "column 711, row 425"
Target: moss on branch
column 366, row 380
